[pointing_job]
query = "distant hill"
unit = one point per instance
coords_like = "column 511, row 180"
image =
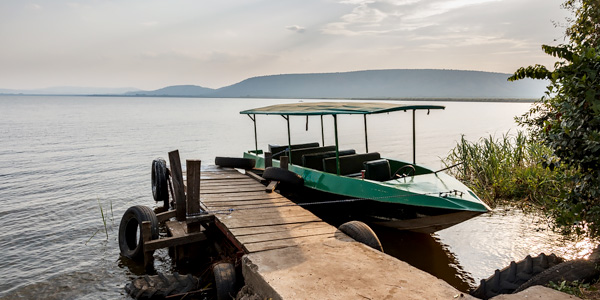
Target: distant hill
column 373, row 84
column 69, row 90
column 176, row 90
column 386, row 84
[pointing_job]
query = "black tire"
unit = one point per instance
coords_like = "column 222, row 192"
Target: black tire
column 130, row 231
column 283, row 175
column 362, row 233
column 225, row 281
column 235, row 162
column 160, row 185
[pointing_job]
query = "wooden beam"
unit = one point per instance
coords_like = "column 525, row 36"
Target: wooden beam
column 175, row 241
column 193, row 192
column 165, row 216
column 178, row 187
column 256, row 177
column 146, row 236
column 271, row 186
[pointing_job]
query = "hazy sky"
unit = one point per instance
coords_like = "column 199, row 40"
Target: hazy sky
column 150, row 44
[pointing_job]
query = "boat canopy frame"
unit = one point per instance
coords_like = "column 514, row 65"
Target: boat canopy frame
column 335, row 108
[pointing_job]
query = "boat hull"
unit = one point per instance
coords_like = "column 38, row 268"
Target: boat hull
column 424, row 203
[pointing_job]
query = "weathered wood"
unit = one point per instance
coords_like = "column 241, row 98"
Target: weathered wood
column 278, row 228
column 146, row 237
column 178, row 185
column 235, row 189
column 271, row 186
column 165, row 216
column 231, row 196
column 270, row 245
column 238, row 222
column 249, row 203
column 268, row 159
column 175, row 241
column 283, row 162
column 255, row 177
column 193, row 191
column 290, row 234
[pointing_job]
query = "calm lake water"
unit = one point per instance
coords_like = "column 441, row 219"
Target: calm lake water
column 62, row 159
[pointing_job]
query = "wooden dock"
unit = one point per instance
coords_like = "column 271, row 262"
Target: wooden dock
column 292, row 254
column 258, row 220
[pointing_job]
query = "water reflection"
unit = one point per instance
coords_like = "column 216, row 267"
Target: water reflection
column 427, row 253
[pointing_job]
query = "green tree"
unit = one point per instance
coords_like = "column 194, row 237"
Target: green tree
column 567, row 117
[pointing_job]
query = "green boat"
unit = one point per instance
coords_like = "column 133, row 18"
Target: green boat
column 383, row 191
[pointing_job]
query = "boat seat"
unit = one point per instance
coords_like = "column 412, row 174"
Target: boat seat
column 349, row 164
column 378, row 170
column 278, row 151
column 296, row 157
column 315, row 160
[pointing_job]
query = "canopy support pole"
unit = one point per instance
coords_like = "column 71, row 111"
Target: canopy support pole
column 366, row 139
column 337, row 148
column 287, row 118
column 414, row 139
column 253, row 118
column 322, row 133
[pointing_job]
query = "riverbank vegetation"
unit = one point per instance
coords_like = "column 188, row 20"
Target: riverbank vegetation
column 567, row 118
column 513, row 169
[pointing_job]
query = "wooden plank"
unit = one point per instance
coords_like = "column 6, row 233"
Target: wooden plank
column 255, row 176
column 233, row 189
column 237, row 223
column 248, row 195
column 193, row 192
column 221, row 183
column 278, row 201
column 277, row 228
column 178, row 187
column 267, row 214
column 175, row 241
column 263, row 246
column 271, row 186
column 176, row 228
column 282, row 235
column 165, row 216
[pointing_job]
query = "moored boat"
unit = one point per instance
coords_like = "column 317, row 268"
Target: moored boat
column 385, row 191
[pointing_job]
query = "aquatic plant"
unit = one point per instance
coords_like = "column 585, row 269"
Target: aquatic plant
column 512, row 168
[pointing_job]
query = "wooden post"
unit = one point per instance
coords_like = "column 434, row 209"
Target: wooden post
column 178, row 186
column 193, row 192
column 268, row 159
column 283, row 162
column 146, row 237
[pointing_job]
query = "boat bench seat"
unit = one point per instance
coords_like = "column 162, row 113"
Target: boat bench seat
column 349, row 164
column 296, row 156
column 378, row 170
column 278, row 151
column 315, row 160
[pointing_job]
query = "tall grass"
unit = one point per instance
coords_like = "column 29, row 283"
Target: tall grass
column 512, row 168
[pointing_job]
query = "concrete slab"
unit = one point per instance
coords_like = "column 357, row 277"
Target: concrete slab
column 339, row 268
column 537, row 292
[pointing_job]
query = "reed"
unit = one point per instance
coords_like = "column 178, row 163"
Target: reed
column 512, row 168
column 103, row 219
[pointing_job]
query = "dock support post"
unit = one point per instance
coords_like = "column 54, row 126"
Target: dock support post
column 268, row 159
column 283, row 162
column 146, row 236
column 178, row 187
column 193, row 192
